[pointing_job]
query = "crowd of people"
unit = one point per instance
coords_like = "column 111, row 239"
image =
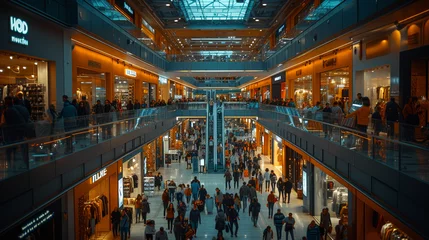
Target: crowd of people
column 184, row 203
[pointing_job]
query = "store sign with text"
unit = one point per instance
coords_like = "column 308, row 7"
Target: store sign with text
column 281, row 77
column 18, row 31
column 125, row 7
column 35, row 223
column 99, row 175
column 130, row 73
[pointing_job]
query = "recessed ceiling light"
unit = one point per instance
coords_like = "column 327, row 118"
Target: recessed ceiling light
column 32, row 75
column 11, row 57
column 1, row 70
column 24, row 67
column 264, row 4
column 167, row 4
column 35, row 63
column 176, row 20
column 8, row 67
column 257, row 20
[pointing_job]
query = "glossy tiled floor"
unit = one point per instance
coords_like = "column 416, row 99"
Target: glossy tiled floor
column 206, row 230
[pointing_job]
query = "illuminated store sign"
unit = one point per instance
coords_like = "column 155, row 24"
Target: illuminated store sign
column 278, row 78
column 99, row 175
column 130, row 73
column 125, row 7
column 35, row 223
column 304, row 183
column 18, row 26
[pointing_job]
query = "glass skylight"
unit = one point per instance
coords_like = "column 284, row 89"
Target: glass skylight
column 215, row 10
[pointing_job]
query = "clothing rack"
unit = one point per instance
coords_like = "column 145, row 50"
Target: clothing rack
column 390, row 231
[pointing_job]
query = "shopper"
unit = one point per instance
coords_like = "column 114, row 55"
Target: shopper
column 165, row 200
column 179, row 228
column 145, row 209
column 267, row 178
column 362, row 116
column 158, row 181
column 244, row 194
column 411, row 118
column 161, row 234
column 273, row 181
column 138, row 207
column 228, row 178
column 278, row 222
column 124, row 225
column 281, row 189
column 149, row 230
column 195, row 187
column 325, row 222
column 195, row 218
column 260, row 181
column 255, row 208
column 268, row 234
column 313, row 232
column 218, row 199
column 188, row 194
column 289, row 226
column 236, row 176
column 170, row 216
column 252, row 191
column 237, row 202
column 202, row 194
column 340, row 229
column 115, row 218
column 233, row 218
column 220, row 222
column 271, row 199
column 172, row 189
column 392, row 114
column 288, row 189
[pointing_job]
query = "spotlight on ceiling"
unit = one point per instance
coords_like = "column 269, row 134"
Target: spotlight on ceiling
column 264, row 4
column 167, row 4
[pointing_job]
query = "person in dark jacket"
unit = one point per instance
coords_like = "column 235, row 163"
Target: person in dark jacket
column 255, row 208
column 288, row 189
column 195, row 218
column 377, row 120
column 137, row 105
column 236, row 176
column 24, row 102
column 178, row 228
column 145, row 210
column 281, row 189
column 244, row 195
column 278, row 222
column 115, row 218
column 130, row 105
column 327, row 112
column 202, row 194
column 392, row 114
column 233, row 218
column 69, row 113
column 82, row 113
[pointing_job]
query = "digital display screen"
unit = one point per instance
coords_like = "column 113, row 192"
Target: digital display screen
column 304, row 183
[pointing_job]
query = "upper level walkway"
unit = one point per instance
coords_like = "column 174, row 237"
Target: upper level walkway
column 383, row 168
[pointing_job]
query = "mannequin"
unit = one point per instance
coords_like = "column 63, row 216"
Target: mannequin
column 78, row 94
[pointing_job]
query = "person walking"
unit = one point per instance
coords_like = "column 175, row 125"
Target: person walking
column 362, row 115
column 161, row 234
column 158, row 181
column 195, row 218
column 165, row 200
column 149, row 230
column 138, row 207
column 195, row 187
column 278, row 222
column 228, row 178
column 236, row 176
column 115, row 218
column 392, row 113
column 218, row 199
column 271, row 199
column 273, row 181
column 179, row 227
column 124, row 225
column 313, row 232
column 260, row 181
column 267, row 178
column 233, row 217
column 237, row 202
column 170, row 216
column 325, row 222
column 289, row 226
column 220, row 222
column 268, row 234
column 288, row 189
column 188, row 194
column 244, row 194
column 255, row 208
column 202, row 194
column 145, row 209
column 281, row 189
column 172, row 189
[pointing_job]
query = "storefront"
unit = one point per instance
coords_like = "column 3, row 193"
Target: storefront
column 44, row 224
column 132, row 174
column 277, row 153
column 278, row 86
column 300, row 81
column 94, row 199
column 98, row 77
column 260, row 90
column 26, row 68
column 293, row 168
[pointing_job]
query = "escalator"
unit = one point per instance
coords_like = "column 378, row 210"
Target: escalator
column 210, row 131
column 220, row 126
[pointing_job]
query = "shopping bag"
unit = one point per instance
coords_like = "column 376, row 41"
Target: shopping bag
column 246, row 173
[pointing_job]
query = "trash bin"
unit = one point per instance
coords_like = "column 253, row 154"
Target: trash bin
column 210, row 205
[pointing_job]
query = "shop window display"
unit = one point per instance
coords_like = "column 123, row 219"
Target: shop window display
column 303, row 91
column 26, row 77
column 377, row 86
column 124, row 91
column 332, row 195
column 278, row 154
column 91, row 85
column 145, row 93
column 335, row 86
column 132, row 177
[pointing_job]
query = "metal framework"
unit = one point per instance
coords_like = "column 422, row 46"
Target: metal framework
column 216, row 10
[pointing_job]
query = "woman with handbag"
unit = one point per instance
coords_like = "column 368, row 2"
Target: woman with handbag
column 124, row 225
